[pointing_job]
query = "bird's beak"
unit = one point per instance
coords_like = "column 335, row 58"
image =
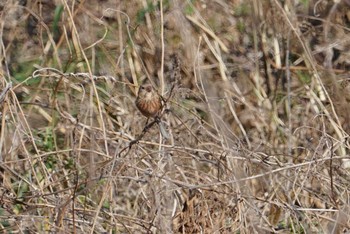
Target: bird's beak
column 149, row 89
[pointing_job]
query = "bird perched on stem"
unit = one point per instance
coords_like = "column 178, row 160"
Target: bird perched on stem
column 149, row 104
column 148, row 101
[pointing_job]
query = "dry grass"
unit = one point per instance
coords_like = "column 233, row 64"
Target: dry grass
column 257, row 115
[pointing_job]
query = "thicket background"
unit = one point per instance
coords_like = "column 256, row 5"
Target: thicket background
column 258, row 117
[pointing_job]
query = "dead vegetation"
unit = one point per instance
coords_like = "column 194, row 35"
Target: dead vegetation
column 257, row 116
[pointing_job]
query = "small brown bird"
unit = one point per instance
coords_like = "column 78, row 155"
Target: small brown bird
column 148, row 101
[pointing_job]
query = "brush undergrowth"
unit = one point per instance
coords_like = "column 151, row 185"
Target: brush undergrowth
column 257, row 117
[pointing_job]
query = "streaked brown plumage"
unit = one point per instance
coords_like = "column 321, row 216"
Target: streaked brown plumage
column 148, row 101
